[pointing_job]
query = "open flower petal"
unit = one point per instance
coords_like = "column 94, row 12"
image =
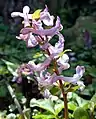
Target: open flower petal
column 41, row 66
column 76, row 77
column 46, row 32
column 58, row 48
column 63, row 59
column 46, row 17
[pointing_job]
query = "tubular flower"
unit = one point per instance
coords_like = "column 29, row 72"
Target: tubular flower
column 63, row 59
column 31, row 67
column 63, row 62
column 26, row 33
column 54, row 50
column 59, row 46
column 44, row 32
column 76, row 77
column 38, row 14
column 41, row 66
column 46, row 17
column 31, row 40
column 46, row 79
column 34, row 34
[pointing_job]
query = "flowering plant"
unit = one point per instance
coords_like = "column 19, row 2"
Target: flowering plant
column 35, row 34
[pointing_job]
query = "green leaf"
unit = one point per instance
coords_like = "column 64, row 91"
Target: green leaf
column 92, row 71
column 71, row 106
column 3, row 91
column 37, row 55
column 93, row 99
column 58, row 106
column 92, row 103
column 72, row 89
column 43, row 116
column 11, row 67
column 3, row 70
column 46, row 104
column 80, row 113
column 79, row 101
column 3, row 27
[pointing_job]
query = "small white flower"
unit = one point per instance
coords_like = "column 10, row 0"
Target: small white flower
column 63, row 59
column 81, row 85
column 11, row 116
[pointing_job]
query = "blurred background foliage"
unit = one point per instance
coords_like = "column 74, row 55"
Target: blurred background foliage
column 79, row 22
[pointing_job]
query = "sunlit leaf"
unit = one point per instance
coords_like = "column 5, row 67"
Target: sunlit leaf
column 11, row 67
column 3, row 70
column 92, row 103
column 43, row 116
column 72, row 89
column 58, row 106
column 46, row 104
column 72, row 106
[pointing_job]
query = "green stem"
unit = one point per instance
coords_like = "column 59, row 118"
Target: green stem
column 92, row 116
column 15, row 100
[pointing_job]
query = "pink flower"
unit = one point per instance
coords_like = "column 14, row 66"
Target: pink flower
column 58, row 48
column 41, row 66
column 46, row 17
column 36, row 34
column 45, row 78
column 44, row 32
column 24, row 15
column 76, row 77
column 63, row 63
column 31, row 40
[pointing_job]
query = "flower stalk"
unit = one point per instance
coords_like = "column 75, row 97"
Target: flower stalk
column 34, row 34
column 15, row 100
column 63, row 93
column 65, row 103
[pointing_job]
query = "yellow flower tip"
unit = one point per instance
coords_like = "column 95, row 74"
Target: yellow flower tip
column 53, row 70
column 36, row 14
column 42, row 43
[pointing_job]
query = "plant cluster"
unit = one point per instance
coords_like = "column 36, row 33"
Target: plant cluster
column 48, row 73
column 48, row 69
